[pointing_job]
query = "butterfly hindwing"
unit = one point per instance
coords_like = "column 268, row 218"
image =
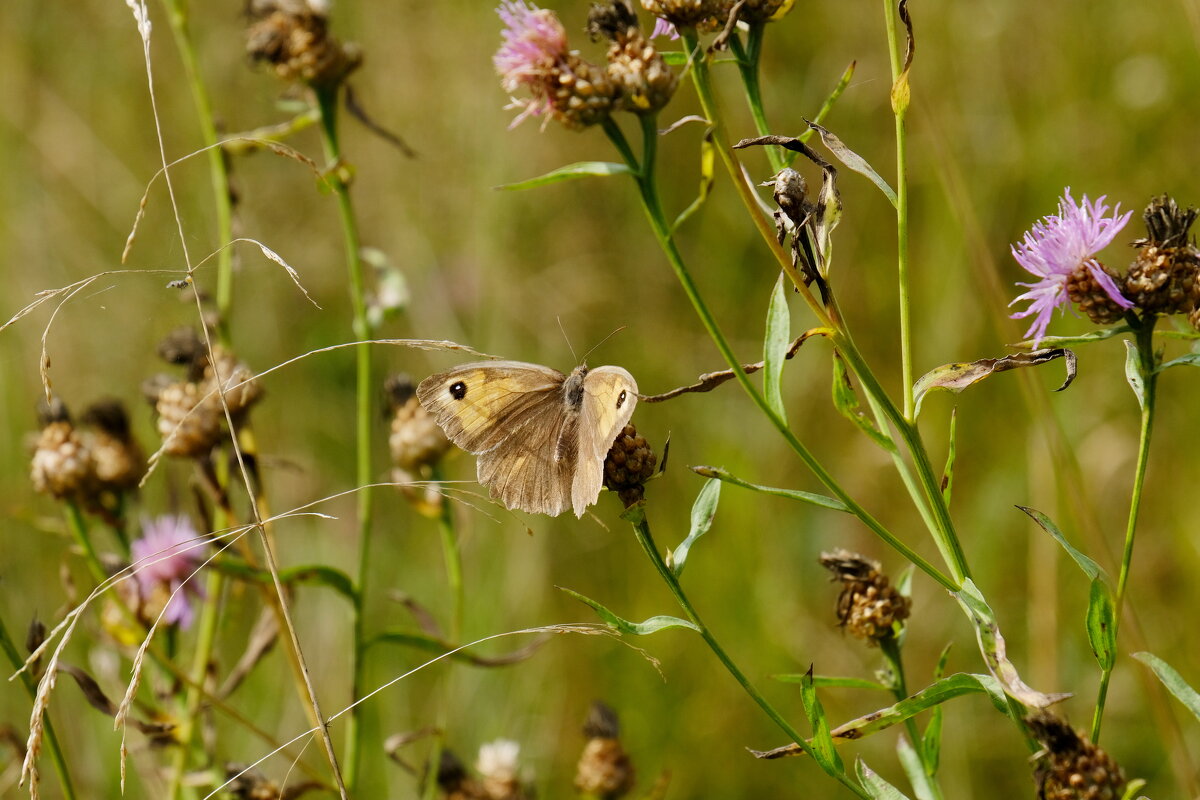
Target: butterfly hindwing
column 609, row 396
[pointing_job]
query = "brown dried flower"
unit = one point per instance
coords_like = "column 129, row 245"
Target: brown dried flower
column 1071, row 767
column 294, row 39
column 629, row 464
column 605, row 769
column 868, row 606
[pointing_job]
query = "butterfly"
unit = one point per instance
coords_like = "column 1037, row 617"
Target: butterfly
column 541, row 436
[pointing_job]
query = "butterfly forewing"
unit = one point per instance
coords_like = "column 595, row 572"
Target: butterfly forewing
column 480, row 405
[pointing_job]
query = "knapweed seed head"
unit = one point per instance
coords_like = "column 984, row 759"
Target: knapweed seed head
column 238, row 384
column 1061, row 247
column 605, row 769
column 62, row 462
column 534, row 57
column 499, row 770
column 642, row 77
column 765, row 10
column 687, row 13
column 189, row 419
column 294, row 39
column 1165, row 277
column 868, row 606
column 1070, row 767
column 629, row 464
column 164, row 558
column 416, row 442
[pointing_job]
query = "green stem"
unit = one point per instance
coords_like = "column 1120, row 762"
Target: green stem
column 452, row 555
column 1148, row 368
column 748, row 58
column 890, row 649
column 944, row 534
column 650, row 202
column 50, row 738
column 79, row 531
column 327, row 103
column 900, row 109
column 177, row 14
column 641, row 528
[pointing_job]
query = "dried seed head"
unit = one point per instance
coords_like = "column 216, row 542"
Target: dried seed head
column 644, row 80
column 688, row 13
column 1086, row 292
column 604, row 769
column 294, row 40
column 629, row 464
column 417, row 443
column 184, row 347
column 189, row 419
column 765, row 10
column 1071, row 767
column 1165, row 277
column 117, row 460
column 580, row 93
column 238, row 383
column 868, row 605
column 499, row 770
column 62, row 463
column 251, row 785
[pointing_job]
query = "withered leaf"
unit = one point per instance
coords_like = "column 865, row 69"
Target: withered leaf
column 956, row 377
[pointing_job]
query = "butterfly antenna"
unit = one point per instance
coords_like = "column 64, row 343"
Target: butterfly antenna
column 567, row 339
column 602, row 341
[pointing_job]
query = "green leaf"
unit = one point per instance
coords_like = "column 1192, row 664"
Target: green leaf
column 955, row 378
column 1174, row 682
column 928, row 698
column 708, row 158
column 846, row 402
column 1133, row 788
column 316, row 574
column 823, row 750
column 951, row 455
column 703, row 511
column 1133, row 372
column 914, row 769
column 831, row 682
column 931, row 740
column 1190, row 360
column 432, row 644
column 674, row 58
column 775, row 345
column 582, row 169
column 1069, row 341
column 821, row 500
column 1101, row 624
column 1089, row 567
column 995, row 650
column 877, row 787
column 652, row 625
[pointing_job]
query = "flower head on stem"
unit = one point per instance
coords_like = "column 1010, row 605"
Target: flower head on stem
column 1060, row 249
column 164, row 558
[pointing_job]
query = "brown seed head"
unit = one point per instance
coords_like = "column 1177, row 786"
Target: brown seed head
column 645, row 81
column 294, row 39
column 1071, row 767
column 689, row 13
column 240, row 387
column 1086, row 293
column 765, row 10
column 605, row 769
column 629, row 464
column 62, row 463
column 189, row 419
column 868, row 605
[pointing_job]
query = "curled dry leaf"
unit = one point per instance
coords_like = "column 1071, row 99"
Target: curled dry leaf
column 956, row 377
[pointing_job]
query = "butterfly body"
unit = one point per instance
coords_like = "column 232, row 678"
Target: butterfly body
column 541, row 436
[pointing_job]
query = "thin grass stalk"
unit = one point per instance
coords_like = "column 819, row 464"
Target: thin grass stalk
column 177, row 15
column 327, row 103
column 1147, row 367
column 50, row 738
column 641, row 529
column 902, row 263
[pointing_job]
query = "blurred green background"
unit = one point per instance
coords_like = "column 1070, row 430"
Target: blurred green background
column 1011, row 102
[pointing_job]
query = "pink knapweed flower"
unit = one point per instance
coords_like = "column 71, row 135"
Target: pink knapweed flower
column 169, row 551
column 664, row 28
column 534, row 43
column 1057, row 246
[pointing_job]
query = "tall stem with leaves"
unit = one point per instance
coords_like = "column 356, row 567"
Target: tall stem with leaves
column 1142, row 370
column 327, row 97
